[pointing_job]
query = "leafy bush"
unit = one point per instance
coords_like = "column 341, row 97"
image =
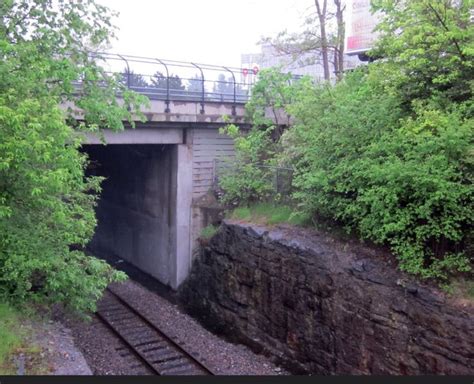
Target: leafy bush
column 428, row 49
column 243, row 179
column 46, row 202
column 417, row 194
column 405, row 181
column 388, row 151
column 248, row 179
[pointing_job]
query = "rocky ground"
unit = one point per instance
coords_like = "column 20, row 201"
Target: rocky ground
column 106, row 355
column 47, row 348
column 57, row 343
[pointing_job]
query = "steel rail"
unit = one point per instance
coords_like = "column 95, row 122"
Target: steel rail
column 141, row 354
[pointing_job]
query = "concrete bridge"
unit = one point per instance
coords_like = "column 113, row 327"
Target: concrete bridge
column 156, row 173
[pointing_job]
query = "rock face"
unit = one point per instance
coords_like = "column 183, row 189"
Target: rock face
column 318, row 305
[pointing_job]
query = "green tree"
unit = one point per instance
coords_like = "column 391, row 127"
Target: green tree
column 159, row 81
column 195, row 84
column 391, row 148
column 132, row 79
column 321, row 42
column 393, row 178
column 387, row 151
column 249, row 178
column 46, row 203
column 428, row 47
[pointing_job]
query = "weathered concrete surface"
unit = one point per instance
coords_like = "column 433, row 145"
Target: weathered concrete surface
column 138, row 135
column 182, row 211
column 137, row 209
column 190, row 111
column 180, row 112
column 324, row 306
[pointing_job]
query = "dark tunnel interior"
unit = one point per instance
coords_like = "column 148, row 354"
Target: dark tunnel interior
column 135, row 210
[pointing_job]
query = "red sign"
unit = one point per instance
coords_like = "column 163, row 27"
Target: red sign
column 360, row 35
column 255, row 70
column 245, row 71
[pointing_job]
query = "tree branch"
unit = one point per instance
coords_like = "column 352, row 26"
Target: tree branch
column 455, row 42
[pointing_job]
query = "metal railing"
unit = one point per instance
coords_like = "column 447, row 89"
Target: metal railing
column 171, row 80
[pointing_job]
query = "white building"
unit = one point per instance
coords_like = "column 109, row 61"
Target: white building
column 305, row 64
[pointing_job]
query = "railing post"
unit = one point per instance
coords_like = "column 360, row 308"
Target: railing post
column 235, row 98
column 202, row 94
column 128, row 70
column 167, row 101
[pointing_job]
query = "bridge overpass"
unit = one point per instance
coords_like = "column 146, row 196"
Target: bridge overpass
column 156, row 173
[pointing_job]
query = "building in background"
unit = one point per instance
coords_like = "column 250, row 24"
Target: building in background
column 360, row 37
column 308, row 63
column 360, row 24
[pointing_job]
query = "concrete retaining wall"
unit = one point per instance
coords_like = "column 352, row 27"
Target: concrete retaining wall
column 136, row 212
column 323, row 306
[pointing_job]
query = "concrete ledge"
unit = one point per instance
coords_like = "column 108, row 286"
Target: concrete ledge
column 137, row 136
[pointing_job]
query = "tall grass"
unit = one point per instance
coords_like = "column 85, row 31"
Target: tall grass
column 268, row 213
column 10, row 337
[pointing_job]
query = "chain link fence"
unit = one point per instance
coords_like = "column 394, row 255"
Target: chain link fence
column 279, row 178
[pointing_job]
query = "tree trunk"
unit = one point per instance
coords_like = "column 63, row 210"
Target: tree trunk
column 322, row 13
column 340, row 38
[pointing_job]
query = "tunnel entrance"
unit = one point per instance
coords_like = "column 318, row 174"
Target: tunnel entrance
column 138, row 212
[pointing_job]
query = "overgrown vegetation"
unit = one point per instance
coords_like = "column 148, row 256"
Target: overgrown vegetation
column 8, row 334
column 46, row 203
column 269, row 213
column 387, row 152
column 16, row 339
column 208, row 232
column 249, row 178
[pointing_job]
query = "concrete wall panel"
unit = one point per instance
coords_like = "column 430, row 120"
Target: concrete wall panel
column 137, row 209
column 137, row 136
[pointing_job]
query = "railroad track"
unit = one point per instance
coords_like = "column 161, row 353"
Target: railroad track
column 158, row 352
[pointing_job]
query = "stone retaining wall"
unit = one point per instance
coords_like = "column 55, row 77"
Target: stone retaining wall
column 320, row 305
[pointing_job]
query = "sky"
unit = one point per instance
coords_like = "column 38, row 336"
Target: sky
column 203, row 31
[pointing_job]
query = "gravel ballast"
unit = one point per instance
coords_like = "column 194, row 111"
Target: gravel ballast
column 106, row 355
column 65, row 358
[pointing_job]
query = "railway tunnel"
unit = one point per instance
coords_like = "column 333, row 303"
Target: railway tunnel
column 143, row 212
column 149, row 211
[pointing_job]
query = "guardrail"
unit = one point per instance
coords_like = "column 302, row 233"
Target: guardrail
column 171, row 80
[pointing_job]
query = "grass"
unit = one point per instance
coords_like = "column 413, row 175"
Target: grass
column 268, row 213
column 16, row 339
column 461, row 288
column 208, row 232
column 9, row 336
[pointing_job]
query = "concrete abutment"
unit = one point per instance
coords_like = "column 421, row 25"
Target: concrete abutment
column 145, row 206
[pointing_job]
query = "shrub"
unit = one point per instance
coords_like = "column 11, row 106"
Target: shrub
column 405, row 181
column 46, row 202
column 248, row 179
column 388, row 151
